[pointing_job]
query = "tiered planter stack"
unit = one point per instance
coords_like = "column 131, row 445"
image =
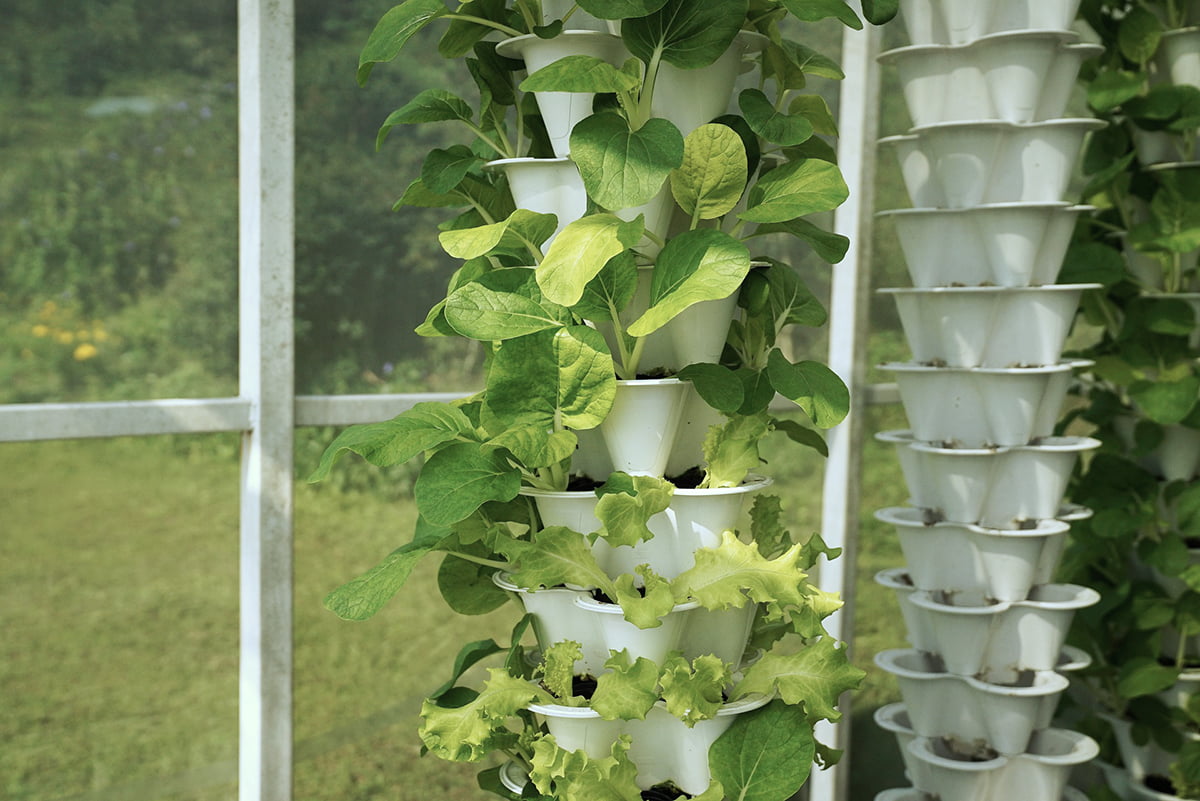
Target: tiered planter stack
column 987, row 167
column 602, row 476
column 1141, row 548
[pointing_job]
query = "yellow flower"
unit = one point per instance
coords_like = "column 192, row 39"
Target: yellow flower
column 85, row 351
column 64, row 337
column 100, row 335
column 48, row 310
column 41, row 330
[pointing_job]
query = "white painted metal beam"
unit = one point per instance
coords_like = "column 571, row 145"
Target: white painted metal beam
column 266, row 149
column 41, row 421
column 858, row 125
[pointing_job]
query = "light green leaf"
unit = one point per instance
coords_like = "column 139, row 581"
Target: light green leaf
column 699, row 265
column 626, row 504
column 685, row 33
column 644, row 607
column 607, row 295
column 556, row 556
column 579, row 73
column 620, row 9
column 735, row 572
column 815, row 677
column 712, row 177
column 470, row 654
column 770, row 123
column 694, row 692
column 731, row 450
column 1110, row 88
column 470, row 732
column 558, row 670
column 795, row 189
column 626, row 691
column 814, row 109
column 765, row 755
column 522, row 233
column 426, row 425
column 1166, row 402
column 622, row 168
column 812, row 386
column 362, row 597
column 535, row 445
column 817, row 10
column 502, row 305
column 581, row 251
column 1145, row 676
column 394, row 30
column 766, row 526
column 576, row 777
column 459, row 479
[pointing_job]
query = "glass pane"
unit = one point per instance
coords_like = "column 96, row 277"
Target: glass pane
column 119, row 606
column 118, row 131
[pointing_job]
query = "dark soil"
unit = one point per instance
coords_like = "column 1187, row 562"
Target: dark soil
column 1159, row 784
column 660, row 372
column 689, row 480
column 583, row 686
column 582, row 484
column 663, row 792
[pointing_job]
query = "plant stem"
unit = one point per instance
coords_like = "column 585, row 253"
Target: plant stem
column 487, row 23
column 480, row 560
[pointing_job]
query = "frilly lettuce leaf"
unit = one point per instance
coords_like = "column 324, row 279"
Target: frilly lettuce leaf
column 626, row 505
column 558, row 670
column 731, row 449
column 814, row 676
column 627, row 690
column 574, row 776
column 554, row 556
column 730, row 574
column 470, row 732
column 766, row 526
column 644, row 608
column 694, row 692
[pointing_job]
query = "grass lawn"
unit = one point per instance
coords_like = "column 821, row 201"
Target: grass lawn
column 118, row 603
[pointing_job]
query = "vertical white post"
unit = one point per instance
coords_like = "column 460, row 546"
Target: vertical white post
column 266, row 154
column 858, row 125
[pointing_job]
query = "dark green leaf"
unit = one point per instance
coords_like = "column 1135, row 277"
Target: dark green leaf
column 364, row 596
column 394, row 30
column 817, row 10
column 718, row 386
column 685, row 33
column 622, row 168
column 1111, row 88
column 459, row 479
column 765, row 755
column 812, row 386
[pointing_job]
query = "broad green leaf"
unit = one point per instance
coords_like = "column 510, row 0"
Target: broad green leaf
column 791, row 301
column 1138, row 34
column 716, row 385
column 467, row 587
column 757, row 390
column 828, row 246
column 426, row 425
column 620, row 9
column 685, row 33
column 626, row 505
column 770, row 123
column 766, row 526
column 469, row 655
column 815, row 677
column 459, row 479
column 626, row 691
column 696, row 266
column 735, row 573
column 536, row 446
column 814, row 109
column 469, row 733
column 712, row 177
column 1089, row 262
column 623, row 168
column 462, row 34
column 1145, row 676
column 809, row 61
column 421, row 196
column 496, row 72
column 802, row 436
column 644, row 606
column 394, row 30
column 362, row 597
column 487, row 310
column 444, row 169
column 556, row 556
column 558, row 670
column 431, row 105
column 607, row 295
column 523, row 233
column 812, row 386
column 1170, row 316
column 880, row 12
column 796, row 189
column 564, row 376
column 817, row 10
column 581, row 251
column 1166, row 402
column 1110, row 88
column 765, row 755
column 579, row 73
column 731, row 450
column 694, row 692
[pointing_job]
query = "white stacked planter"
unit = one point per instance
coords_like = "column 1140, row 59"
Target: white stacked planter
column 986, row 165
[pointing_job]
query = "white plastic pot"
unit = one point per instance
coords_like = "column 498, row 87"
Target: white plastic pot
column 561, row 111
column 963, row 21
column 547, row 186
column 697, row 418
column 972, row 714
column 974, row 407
column 983, row 326
column 695, row 519
column 691, row 98
column 1142, row 760
column 557, row 618
column 1182, row 51
column 662, row 747
column 1004, row 244
column 580, row 20
column 999, row 564
column 1177, row 457
column 913, row 794
column 998, row 641
column 640, row 429
column 1041, row 772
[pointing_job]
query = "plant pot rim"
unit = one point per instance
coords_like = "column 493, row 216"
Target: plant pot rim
column 494, row 163
column 1045, row 682
column 923, row 748
column 917, row 367
column 751, row 483
column 985, row 290
column 1075, row 597
column 1018, row 205
column 648, row 382
column 607, row 608
column 1170, row 166
column 737, row 707
column 1090, row 123
column 514, row 46
column 1066, row 38
column 1045, row 445
column 503, row 580
column 896, row 516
